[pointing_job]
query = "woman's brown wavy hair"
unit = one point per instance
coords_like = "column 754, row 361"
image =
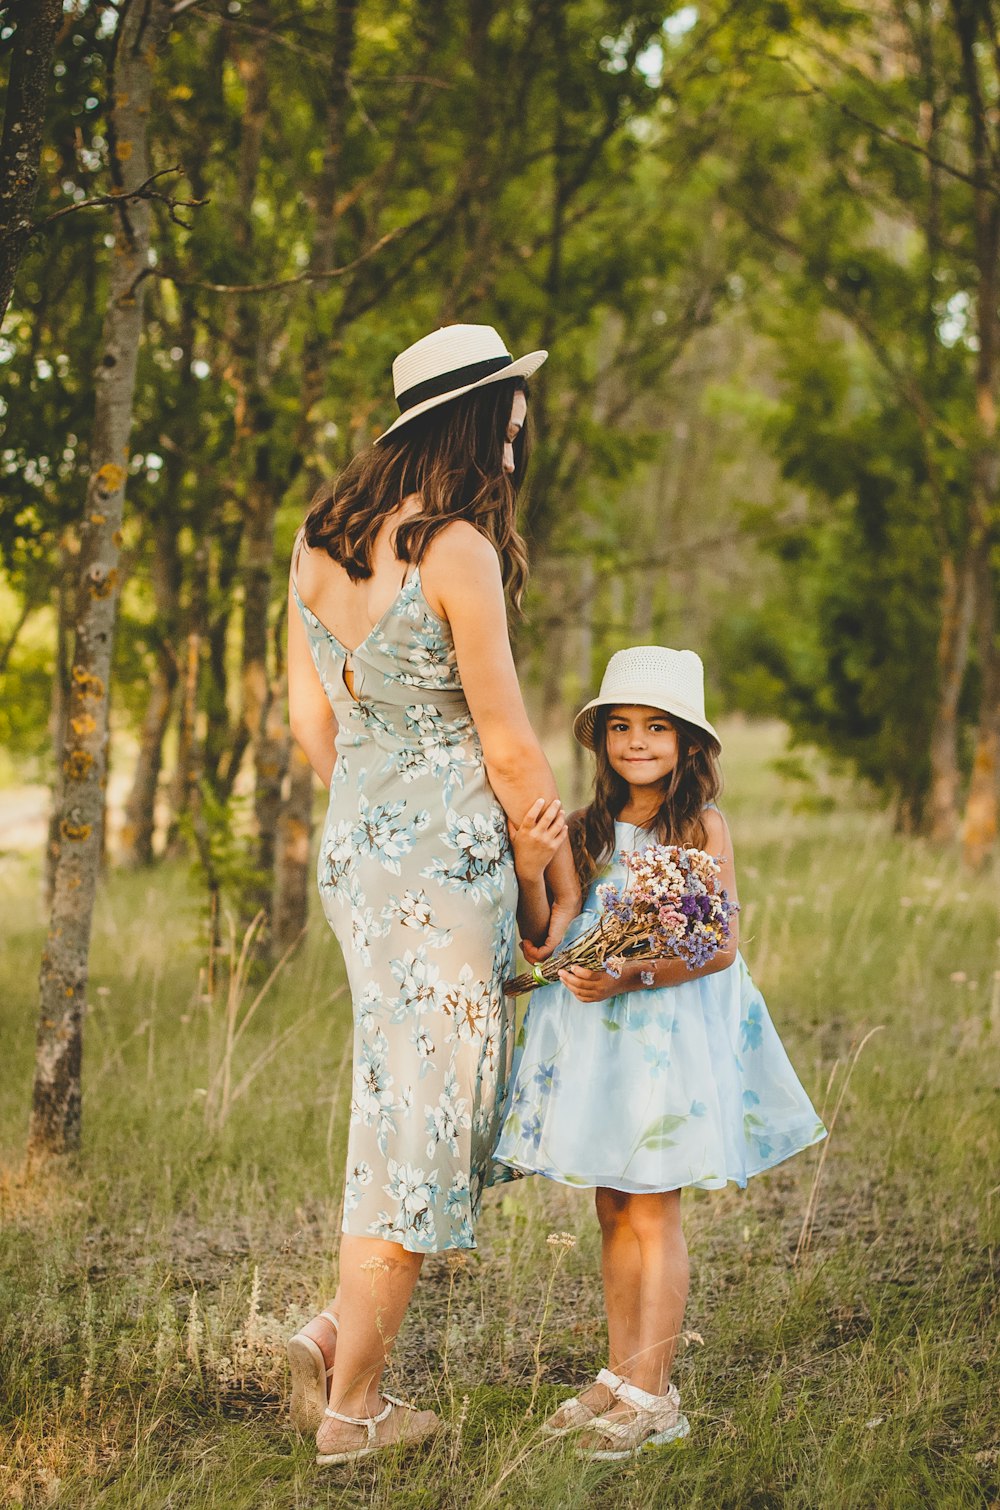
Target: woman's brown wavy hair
column 453, row 457
column 694, row 781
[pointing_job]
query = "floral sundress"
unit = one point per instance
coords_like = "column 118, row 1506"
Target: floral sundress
column 654, row 1089
column 417, row 881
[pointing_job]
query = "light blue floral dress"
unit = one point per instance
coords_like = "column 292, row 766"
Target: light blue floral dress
column 417, row 881
column 654, row 1089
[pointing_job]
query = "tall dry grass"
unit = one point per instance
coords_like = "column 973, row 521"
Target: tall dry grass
column 841, row 1333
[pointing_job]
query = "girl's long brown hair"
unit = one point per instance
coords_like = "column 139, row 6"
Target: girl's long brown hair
column 694, row 781
column 453, row 457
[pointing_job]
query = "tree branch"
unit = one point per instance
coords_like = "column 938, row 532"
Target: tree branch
column 143, row 191
column 971, row 179
column 308, row 275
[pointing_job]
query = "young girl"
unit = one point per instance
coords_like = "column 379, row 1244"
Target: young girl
column 661, row 1078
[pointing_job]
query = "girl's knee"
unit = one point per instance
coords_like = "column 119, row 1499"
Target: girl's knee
column 612, row 1208
column 656, row 1215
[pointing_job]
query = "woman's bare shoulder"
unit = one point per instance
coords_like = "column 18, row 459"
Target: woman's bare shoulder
column 460, row 544
column 460, row 568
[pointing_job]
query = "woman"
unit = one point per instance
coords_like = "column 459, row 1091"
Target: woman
column 420, row 733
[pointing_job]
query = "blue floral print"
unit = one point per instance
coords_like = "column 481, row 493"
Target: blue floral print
column 681, row 1085
column 417, row 881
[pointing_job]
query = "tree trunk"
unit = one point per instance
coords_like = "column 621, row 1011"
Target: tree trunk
column 225, row 745
column 270, row 764
column 36, row 23
column 292, row 878
column 188, row 771
column 980, row 826
column 59, row 705
column 979, row 829
column 56, row 1101
column 957, row 607
column 140, row 809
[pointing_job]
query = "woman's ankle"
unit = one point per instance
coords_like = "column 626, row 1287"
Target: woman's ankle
column 359, row 1403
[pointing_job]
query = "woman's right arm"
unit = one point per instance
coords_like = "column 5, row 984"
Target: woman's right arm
column 461, row 577
column 309, row 713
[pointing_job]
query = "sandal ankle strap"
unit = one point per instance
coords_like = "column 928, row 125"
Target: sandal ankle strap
column 329, row 1316
column 641, row 1399
column 371, row 1422
column 610, row 1380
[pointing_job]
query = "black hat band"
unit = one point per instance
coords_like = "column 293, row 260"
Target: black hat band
column 459, row 377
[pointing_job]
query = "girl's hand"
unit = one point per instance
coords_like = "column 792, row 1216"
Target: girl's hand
column 589, row 985
column 537, row 837
column 561, row 914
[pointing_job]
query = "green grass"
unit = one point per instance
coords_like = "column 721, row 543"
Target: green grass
column 146, row 1287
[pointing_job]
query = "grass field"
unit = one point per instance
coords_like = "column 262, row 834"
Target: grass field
column 842, row 1346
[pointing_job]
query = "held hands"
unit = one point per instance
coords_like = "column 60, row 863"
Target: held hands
column 537, row 837
column 560, row 917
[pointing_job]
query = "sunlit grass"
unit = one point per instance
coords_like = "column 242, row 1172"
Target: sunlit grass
column 146, row 1288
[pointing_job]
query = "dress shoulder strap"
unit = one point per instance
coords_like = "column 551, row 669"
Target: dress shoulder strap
column 297, row 548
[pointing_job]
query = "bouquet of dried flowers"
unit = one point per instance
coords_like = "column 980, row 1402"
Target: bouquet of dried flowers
column 671, row 906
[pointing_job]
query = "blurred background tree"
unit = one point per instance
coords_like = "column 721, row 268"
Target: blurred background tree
column 760, row 242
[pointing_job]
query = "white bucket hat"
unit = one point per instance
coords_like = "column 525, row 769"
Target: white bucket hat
column 449, row 362
column 654, row 677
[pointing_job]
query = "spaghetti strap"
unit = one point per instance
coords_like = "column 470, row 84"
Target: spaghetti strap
column 300, row 540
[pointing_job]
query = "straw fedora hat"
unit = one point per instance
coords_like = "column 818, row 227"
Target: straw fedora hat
column 654, row 677
column 449, row 362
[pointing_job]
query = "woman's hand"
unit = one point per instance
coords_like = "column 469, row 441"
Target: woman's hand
column 589, row 985
column 537, row 837
column 561, row 914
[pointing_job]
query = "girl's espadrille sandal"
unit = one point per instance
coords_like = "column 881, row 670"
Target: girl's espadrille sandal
column 652, row 1421
column 581, row 1409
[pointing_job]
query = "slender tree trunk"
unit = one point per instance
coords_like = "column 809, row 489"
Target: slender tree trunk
column 187, row 774
column 59, row 704
column 36, row 23
column 292, row 872
column 979, row 829
column 140, row 809
column 271, row 763
column 56, row 1102
column 225, row 741
column 954, row 635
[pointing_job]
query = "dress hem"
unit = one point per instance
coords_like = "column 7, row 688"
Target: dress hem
column 705, row 1182
column 411, row 1247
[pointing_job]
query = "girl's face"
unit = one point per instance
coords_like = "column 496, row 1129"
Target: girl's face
column 641, row 744
column 515, row 424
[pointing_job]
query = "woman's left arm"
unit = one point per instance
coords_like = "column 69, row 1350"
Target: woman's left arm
column 311, row 718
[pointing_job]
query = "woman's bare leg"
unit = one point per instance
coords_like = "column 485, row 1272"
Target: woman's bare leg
column 323, row 1332
column 376, row 1282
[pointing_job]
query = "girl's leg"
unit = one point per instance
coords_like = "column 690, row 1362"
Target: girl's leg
column 663, row 1261
column 620, row 1265
column 376, row 1282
